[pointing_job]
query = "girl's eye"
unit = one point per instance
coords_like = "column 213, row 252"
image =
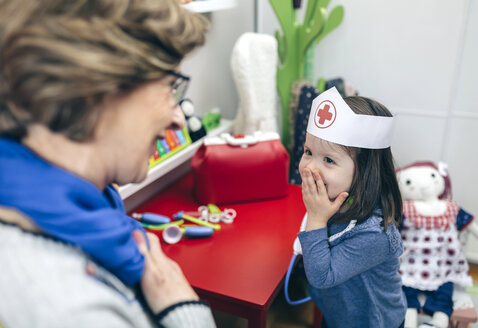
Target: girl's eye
column 307, row 152
column 329, row 160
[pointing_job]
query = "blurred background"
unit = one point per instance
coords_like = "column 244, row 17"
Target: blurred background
column 419, row 58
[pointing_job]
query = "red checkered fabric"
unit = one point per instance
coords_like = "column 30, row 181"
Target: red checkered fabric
column 430, row 222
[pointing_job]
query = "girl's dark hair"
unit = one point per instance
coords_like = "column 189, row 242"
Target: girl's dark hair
column 374, row 185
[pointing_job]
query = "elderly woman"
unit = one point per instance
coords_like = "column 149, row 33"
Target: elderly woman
column 86, row 88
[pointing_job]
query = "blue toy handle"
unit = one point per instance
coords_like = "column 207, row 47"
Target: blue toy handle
column 154, row 219
column 198, row 232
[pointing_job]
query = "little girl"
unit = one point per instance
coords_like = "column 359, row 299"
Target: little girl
column 351, row 244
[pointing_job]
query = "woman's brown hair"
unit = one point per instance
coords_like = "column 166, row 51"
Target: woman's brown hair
column 60, row 58
column 374, row 185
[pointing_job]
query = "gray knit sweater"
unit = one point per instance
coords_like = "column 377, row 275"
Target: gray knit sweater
column 44, row 283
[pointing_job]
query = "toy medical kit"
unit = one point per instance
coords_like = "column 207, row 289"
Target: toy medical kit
column 181, row 215
column 151, row 218
column 173, row 233
column 333, row 120
column 228, row 169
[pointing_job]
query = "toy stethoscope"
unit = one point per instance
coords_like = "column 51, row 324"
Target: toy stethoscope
column 298, row 251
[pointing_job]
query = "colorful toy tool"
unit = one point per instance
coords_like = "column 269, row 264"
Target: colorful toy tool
column 181, row 215
column 162, row 226
column 173, row 233
column 151, row 218
column 203, row 222
column 212, row 213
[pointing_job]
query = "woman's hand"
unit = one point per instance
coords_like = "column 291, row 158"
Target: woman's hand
column 316, row 200
column 163, row 283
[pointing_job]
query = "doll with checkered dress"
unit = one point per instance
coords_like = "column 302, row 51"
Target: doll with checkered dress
column 433, row 258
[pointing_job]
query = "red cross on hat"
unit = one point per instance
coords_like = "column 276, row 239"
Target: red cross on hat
column 325, row 114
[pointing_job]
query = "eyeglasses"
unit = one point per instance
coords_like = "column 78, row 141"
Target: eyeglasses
column 179, row 86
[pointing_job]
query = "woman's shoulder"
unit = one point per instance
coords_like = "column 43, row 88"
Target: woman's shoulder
column 70, row 285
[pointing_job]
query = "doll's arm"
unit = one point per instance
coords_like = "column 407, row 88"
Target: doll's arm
column 474, row 229
column 465, row 220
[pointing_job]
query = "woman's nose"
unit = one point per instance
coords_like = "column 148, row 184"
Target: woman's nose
column 178, row 119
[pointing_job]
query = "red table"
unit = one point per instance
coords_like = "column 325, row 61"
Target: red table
column 240, row 269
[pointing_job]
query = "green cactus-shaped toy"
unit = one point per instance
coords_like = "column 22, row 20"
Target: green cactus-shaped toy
column 296, row 46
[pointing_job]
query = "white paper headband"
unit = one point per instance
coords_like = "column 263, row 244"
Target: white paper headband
column 333, row 120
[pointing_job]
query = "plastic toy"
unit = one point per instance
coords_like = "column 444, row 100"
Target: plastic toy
column 175, row 141
column 151, row 218
column 205, row 222
column 162, row 226
column 212, row 213
column 173, row 233
column 296, row 45
column 211, row 120
column 254, row 61
column 433, row 260
column 195, row 127
column 181, row 215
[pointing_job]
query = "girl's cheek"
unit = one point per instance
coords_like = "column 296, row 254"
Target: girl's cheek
column 301, row 171
column 302, row 165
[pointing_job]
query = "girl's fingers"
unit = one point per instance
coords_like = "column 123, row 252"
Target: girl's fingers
column 308, row 182
column 340, row 200
column 319, row 182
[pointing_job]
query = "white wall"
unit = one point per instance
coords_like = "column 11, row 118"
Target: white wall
column 420, row 59
column 212, row 84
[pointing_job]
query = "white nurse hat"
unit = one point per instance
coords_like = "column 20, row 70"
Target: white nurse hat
column 333, row 120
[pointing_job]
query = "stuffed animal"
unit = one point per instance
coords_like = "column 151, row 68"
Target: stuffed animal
column 433, row 258
column 196, row 129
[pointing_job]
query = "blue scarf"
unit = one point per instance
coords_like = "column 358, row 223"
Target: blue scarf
column 71, row 209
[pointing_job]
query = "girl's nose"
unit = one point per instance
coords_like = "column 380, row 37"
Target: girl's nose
column 312, row 166
column 178, row 119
